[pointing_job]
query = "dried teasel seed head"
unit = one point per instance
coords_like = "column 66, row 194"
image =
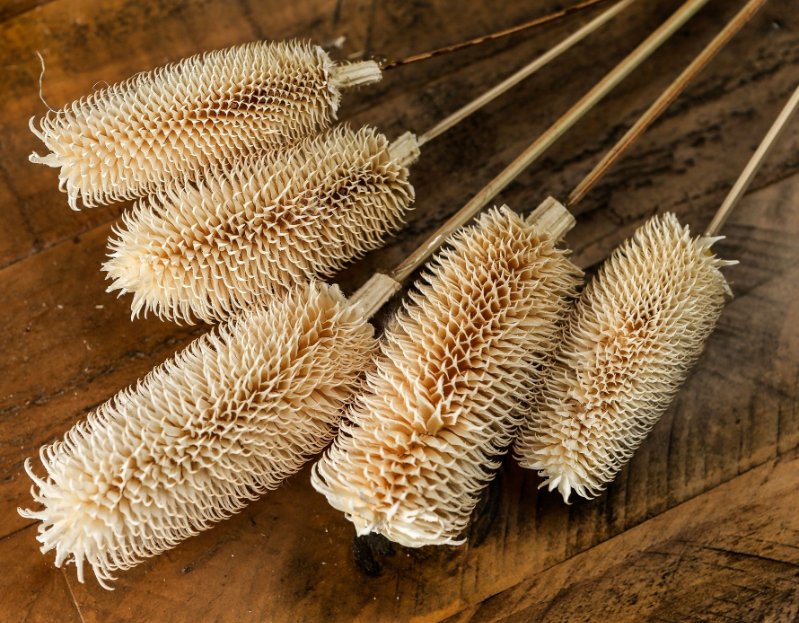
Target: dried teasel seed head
column 165, row 126
column 249, row 232
column 629, row 344
column 455, row 368
column 214, row 427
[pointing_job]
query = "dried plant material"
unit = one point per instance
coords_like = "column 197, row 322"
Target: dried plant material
column 209, row 250
column 631, row 340
column 455, row 368
column 222, row 422
column 164, row 126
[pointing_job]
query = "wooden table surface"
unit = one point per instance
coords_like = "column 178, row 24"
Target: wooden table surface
column 702, row 525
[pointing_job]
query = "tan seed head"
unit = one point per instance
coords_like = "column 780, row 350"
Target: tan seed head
column 214, row 427
column 629, row 344
column 455, row 368
column 165, row 126
column 269, row 222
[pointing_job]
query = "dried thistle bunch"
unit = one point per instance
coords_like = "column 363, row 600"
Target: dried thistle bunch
column 165, row 126
column 208, row 250
column 631, row 340
column 455, row 368
column 219, row 424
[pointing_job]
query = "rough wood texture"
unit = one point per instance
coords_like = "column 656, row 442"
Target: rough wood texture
column 729, row 554
column 668, row 541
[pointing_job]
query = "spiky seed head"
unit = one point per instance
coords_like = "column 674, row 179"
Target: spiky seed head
column 629, row 344
column 214, row 427
column 164, row 126
column 207, row 250
column 455, row 367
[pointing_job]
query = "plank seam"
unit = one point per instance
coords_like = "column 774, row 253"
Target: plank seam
column 72, row 595
column 17, row 531
column 11, row 16
column 775, row 460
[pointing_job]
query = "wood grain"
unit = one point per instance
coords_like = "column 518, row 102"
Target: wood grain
column 730, row 554
column 29, row 590
column 87, row 44
column 68, row 345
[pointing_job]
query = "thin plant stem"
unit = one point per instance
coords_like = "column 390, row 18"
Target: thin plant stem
column 748, row 174
column 665, row 99
column 526, row 71
column 544, row 141
column 528, row 25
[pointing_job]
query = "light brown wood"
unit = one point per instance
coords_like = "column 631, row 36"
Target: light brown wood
column 737, row 412
column 31, row 591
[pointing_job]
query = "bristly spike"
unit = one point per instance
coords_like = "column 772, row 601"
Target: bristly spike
column 225, row 420
column 242, row 235
column 167, row 125
column 631, row 339
column 455, row 367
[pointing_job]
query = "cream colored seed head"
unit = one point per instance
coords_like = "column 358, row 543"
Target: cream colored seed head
column 455, row 367
column 164, row 126
column 243, row 234
column 630, row 342
column 222, row 422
